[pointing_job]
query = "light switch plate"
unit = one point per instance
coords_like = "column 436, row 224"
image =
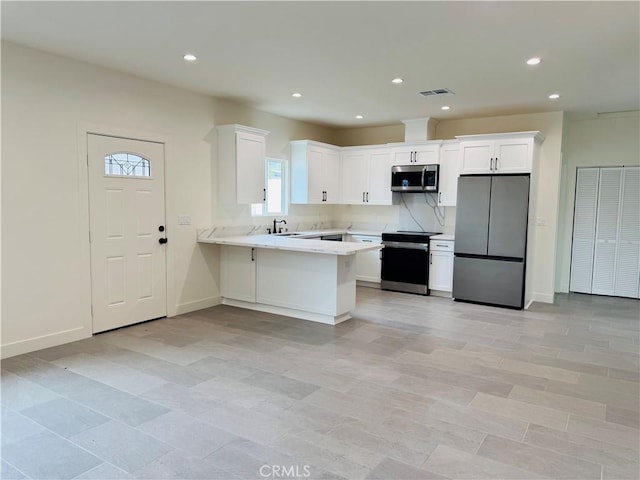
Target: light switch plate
column 184, row 220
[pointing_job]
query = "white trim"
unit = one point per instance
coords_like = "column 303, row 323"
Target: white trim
column 542, row 297
column 288, row 312
column 188, row 307
column 44, row 341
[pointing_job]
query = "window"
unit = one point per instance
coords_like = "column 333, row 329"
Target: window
column 276, row 189
column 126, row 165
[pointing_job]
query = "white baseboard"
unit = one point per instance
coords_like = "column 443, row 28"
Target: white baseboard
column 288, row 312
column 197, row 305
column 440, row 293
column 542, row 297
column 44, row 341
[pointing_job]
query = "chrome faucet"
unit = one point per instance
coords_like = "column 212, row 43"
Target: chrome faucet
column 278, row 221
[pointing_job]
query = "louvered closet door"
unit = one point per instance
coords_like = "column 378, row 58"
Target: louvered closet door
column 604, row 260
column 628, row 261
column 584, row 228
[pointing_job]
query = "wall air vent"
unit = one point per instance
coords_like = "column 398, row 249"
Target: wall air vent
column 437, row 91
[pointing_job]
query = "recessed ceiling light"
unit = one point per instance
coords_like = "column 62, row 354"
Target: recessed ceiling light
column 445, row 107
column 554, row 96
column 189, row 57
column 533, row 61
column 397, row 80
column 359, row 117
column 296, row 95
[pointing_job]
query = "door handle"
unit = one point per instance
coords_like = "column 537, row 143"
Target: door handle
column 496, row 164
column 253, row 258
column 367, row 197
column 362, row 197
column 161, row 228
column 431, row 259
column 491, row 164
column 264, row 194
column 162, row 241
column 439, row 197
column 424, row 169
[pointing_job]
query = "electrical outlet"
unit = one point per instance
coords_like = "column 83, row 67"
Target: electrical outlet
column 184, row 220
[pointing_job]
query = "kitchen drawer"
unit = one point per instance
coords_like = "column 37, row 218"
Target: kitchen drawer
column 441, row 246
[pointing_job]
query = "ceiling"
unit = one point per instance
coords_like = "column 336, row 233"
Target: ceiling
column 342, row 55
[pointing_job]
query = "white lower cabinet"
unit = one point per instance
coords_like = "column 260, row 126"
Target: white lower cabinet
column 238, row 272
column 313, row 286
column 441, row 266
column 368, row 264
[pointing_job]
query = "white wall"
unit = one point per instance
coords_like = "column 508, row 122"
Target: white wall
column 47, row 103
column 609, row 140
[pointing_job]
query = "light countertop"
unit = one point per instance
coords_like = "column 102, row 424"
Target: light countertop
column 443, row 236
column 299, row 243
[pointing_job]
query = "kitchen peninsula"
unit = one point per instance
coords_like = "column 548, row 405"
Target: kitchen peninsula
column 291, row 275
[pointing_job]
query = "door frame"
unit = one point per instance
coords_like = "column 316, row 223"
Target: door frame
column 83, row 130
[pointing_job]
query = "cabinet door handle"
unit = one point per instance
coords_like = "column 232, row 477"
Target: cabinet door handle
column 367, row 197
column 491, row 164
column 440, row 245
column 362, row 197
column 253, row 258
column 431, row 259
column 264, row 194
column 439, row 197
column 496, row 164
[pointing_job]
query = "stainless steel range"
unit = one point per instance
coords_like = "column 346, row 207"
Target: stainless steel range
column 405, row 261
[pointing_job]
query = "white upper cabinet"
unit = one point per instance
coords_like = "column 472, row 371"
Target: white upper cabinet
column 498, row 153
column 366, row 176
column 355, row 175
column 315, row 172
column 418, row 153
column 379, row 191
column 241, row 155
column 449, row 173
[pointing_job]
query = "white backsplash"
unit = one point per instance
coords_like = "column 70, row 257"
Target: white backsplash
column 417, row 212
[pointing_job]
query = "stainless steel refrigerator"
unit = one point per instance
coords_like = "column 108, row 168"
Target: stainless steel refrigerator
column 491, row 239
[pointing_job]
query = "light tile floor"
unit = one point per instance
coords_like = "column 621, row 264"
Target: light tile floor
column 410, row 388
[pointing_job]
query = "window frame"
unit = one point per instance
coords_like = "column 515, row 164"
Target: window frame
column 261, row 209
column 124, row 175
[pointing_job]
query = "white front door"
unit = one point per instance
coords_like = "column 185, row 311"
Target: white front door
column 127, row 223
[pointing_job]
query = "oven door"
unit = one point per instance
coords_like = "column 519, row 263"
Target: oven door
column 405, row 267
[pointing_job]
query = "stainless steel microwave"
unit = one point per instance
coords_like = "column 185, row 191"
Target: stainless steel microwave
column 414, row 178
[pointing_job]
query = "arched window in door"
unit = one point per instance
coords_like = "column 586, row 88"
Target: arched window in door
column 125, row 164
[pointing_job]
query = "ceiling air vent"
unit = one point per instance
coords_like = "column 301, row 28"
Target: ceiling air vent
column 437, row 91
